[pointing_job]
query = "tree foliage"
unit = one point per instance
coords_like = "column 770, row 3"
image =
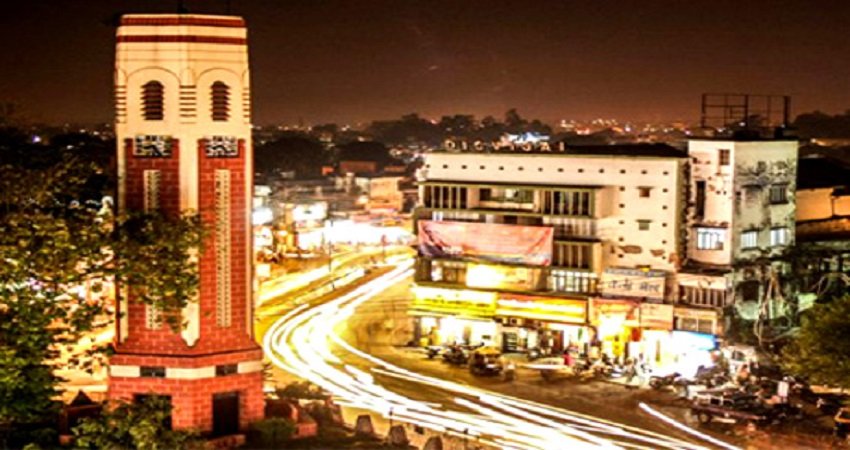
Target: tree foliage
column 61, row 248
column 303, row 155
column 821, row 351
column 134, row 426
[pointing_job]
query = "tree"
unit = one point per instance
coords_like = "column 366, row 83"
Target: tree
column 140, row 426
column 56, row 238
column 821, row 351
column 303, row 155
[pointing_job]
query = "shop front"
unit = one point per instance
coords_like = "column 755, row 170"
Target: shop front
column 550, row 323
column 617, row 326
column 453, row 316
column 694, row 338
column 656, row 324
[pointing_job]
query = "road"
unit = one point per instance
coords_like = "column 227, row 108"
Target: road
column 312, row 341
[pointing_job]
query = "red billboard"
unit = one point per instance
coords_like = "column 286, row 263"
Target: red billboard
column 513, row 244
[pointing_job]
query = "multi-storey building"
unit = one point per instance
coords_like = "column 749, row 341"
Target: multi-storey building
column 549, row 248
column 741, row 217
column 636, row 248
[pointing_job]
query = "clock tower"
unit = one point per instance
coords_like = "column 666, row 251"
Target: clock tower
column 183, row 129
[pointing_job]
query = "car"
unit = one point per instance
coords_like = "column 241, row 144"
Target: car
column 485, row 361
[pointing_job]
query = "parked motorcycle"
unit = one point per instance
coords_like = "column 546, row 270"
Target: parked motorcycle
column 456, row 355
column 659, row 382
column 538, row 352
column 433, row 351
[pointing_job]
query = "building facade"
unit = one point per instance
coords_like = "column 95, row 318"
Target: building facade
column 633, row 249
column 184, row 144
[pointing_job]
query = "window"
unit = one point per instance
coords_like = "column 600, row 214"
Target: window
column 778, row 236
column 710, row 238
column 577, row 255
column 643, row 225
column 226, row 369
column 152, row 100
column 643, row 191
column 723, row 157
column 567, row 281
column 749, row 239
column 220, row 95
column 700, row 199
column 703, row 297
column 778, row 194
column 152, row 372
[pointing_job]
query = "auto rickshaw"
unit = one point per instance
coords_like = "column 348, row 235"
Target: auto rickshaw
column 485, row 361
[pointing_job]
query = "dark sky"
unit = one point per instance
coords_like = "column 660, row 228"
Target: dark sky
column 357, row 60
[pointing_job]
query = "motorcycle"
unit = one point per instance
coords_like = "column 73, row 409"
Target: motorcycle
column 456, row 355
column 433, row 351
column 536, row 353
column 659, row 382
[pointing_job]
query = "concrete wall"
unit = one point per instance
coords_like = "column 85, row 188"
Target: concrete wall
column 618, row 202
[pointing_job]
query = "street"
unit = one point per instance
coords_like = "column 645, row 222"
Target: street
column 348, row 346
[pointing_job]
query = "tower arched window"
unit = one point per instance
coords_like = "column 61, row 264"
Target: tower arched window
column 152, row 100
column 220, row 94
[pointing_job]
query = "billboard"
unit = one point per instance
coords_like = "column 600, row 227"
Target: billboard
column 512, row 244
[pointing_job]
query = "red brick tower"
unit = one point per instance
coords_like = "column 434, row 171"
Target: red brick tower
column 184, row 138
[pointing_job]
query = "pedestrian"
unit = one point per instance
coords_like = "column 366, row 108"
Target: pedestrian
column 568, row 358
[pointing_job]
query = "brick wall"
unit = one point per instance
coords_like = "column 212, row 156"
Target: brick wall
column 192, row 400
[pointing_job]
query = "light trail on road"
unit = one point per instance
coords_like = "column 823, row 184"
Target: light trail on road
column 301, row 343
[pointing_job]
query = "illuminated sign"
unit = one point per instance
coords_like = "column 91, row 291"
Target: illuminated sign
column 542, row 308
column 649, row 284
column 498, row 277
column 454, row 301
column 656, row 316
column 505, row 145
column 624, row 310
column 513, row 244
column 152, row 146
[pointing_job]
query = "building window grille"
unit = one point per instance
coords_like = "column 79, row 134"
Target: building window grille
column 577, row 255
column 779, row 194
column 568, row 281
column 715, row 298
column 778, row 236
column 724, row 158
column 710, row 238
column 152, row 100
column 222, row 247
column 749, row 239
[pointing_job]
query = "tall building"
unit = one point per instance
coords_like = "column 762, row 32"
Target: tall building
column 184, row 144
column 640, row 250
column 549, row 248
column 742, row 214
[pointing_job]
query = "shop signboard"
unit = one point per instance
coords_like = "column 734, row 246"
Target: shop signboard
column 547, row 309
column 634, row 283
column 625, row 309
column 656, row 316
column 461, row 302
column 512, row 244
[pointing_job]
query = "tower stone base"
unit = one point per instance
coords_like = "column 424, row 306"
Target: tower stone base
column 192, row 384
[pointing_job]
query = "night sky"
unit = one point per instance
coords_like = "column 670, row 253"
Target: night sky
column 358, row 60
